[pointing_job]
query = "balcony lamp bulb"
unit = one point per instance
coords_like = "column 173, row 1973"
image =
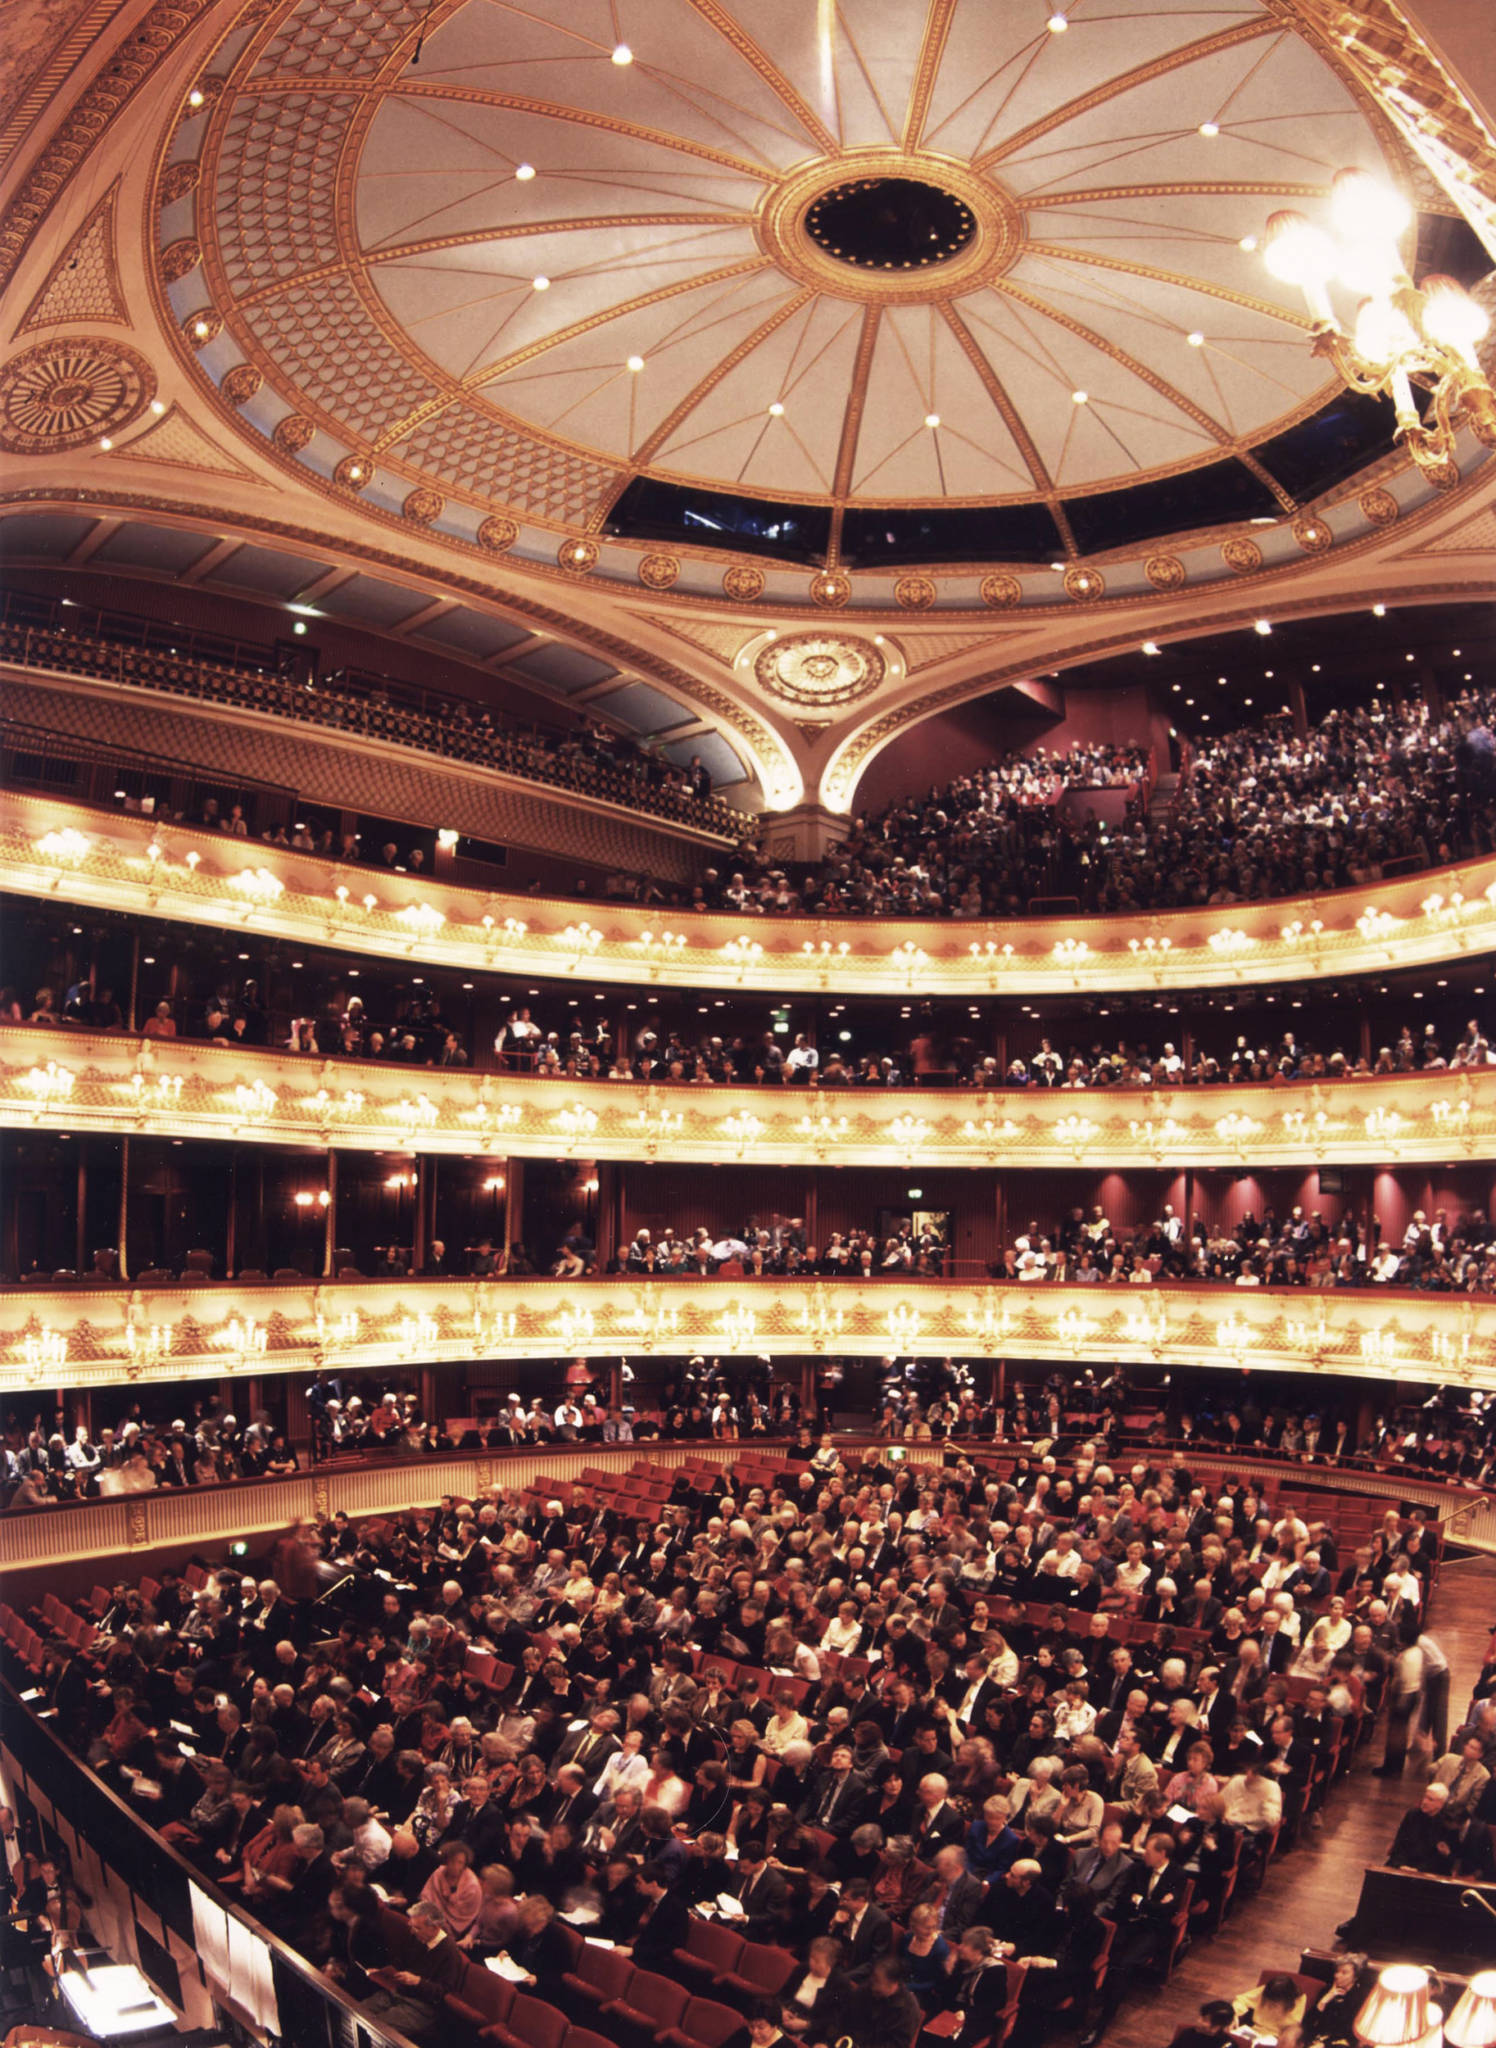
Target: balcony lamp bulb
column 1451, row 317
column 1367, row 209
column 1370, row 268
column 1383, row 332
column 1296, row 251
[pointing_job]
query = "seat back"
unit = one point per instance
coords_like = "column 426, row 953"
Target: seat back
column 765, row 1967
column 487, row 1993
column 537, row 2024
column 661, row 2000
column 715, row 1947
column 604, row 1972
column 709, row 2023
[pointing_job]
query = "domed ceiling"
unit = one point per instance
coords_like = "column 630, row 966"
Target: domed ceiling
column 953, row 281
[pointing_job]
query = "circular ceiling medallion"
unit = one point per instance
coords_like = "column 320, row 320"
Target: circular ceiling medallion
column 1241, row 554
column 578, row 555
column 202, row 326
column 1313, row 536
column 61, row 394
column 354, row 473
column 1165, row 572
column 241, row 383
column 1084, row 585
column 858, row 225
column 1443, row 475
column 820, row 669
column 292, row 433
column 1001, row 593
column 497, row 534
column 915, row 593
column 179, row 260
column 830, row 590
column 1379, row 506
column 890, row 223
column 422, row 507
column 742, row 583
column 658, row 572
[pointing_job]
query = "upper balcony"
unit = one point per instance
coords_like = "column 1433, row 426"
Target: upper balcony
column 119, row 1084
column 109, row 861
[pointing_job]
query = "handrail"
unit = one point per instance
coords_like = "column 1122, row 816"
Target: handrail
column 56, row 849
column 72, row 1079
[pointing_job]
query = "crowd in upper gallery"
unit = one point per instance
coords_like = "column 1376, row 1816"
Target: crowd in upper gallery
column 1262, row 812
column 411, row 1028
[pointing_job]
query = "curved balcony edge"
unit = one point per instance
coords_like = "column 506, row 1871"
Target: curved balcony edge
column 121, row 1084
column 59, row 1338
column 108, row 860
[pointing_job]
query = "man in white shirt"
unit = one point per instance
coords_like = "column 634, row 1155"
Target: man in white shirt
column 1253, row 1803
column 802, row 1060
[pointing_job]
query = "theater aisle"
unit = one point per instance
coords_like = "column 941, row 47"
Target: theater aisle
column 1313, row 1888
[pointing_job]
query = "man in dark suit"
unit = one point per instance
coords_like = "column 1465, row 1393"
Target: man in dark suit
column 569, row 1801
column 1104, row 1869
column 1147, row 1908
column 1020, row 1908
column 762, row 1892
column 936, row 1820
column 863, row 1929
column 837, row 1797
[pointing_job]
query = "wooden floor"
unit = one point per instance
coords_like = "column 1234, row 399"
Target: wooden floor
column 1312, row 1889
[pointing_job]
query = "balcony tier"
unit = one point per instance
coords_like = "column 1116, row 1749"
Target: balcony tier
column 76, row 1336
column 180, row 1088
column 117, row 862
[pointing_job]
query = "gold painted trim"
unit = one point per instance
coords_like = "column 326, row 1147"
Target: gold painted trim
column 53, row 1338
column 1418, row 920
column 179, row 1088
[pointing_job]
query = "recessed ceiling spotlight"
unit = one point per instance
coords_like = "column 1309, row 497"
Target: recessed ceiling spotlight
column 201, row 329
column 1057, row 23
column 540, row 284
column 195, row 97
column 1058, row 568
column 105, row 442
column 1262, row 626
column 158, row 406
column 1210, row 129
column 932, row 419
column 1080, row 398
column 636, row 363
column 1196, row 340
column 622, row 54
column 524, row 173
column 776, row 410
column 1150, row 647
column 1379, row 611
column 1314, row 668
column 1248, row 243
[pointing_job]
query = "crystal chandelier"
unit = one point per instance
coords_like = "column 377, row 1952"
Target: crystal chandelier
column 1402, row 334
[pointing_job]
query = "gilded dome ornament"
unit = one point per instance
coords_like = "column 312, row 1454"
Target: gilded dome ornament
column 1165, row 572
column 915, row 593
column 658, row 572
column 177, row 180
column 1445, row 475
column 820, row 670
column 498, row 534
column 1379, row 507
column 292, row 433
column 1084, row 586
column 180, row 259
column 1001, row 593
column 422, row 507
column 578, row 554
column 202, row 326
column 241, row 384
column 743, row 583
column 1313, row 535
column 1241, row 554
column 62, row 394
column 830, row 590
column 354, row 473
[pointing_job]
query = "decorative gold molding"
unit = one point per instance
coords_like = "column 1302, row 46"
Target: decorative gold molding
column 66, row 1338
column 121, row 1085
column 67, row 851
column 84, row 283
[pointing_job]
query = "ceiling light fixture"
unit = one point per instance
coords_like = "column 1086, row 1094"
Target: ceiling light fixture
column 622, row 54
column 105, row 442
column 1080, row 398
column 1262, row 626
column 1400, row 332
column 540, row 284
column 524, row 173
column 1196, row 340
column 195, row 97
column 1210, row 129
column 776, row 410
column 1248, row 243
column 932, row 419
column 1150, row 647
column 1379, row 611
column 1057, row 23
column 636, row 364
column 158, row 406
